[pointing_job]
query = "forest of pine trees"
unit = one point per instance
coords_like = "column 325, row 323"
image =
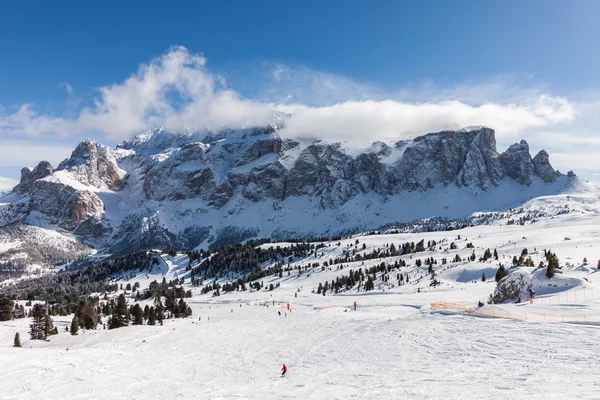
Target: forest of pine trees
column 67, row 287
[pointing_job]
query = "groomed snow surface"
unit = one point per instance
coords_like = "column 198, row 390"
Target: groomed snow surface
column 395, row 345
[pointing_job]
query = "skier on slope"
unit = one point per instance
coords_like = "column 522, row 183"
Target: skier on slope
column 283, row 370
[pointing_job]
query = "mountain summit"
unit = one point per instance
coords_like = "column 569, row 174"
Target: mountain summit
column 186, row 190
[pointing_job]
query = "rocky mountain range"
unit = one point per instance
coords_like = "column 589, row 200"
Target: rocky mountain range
column 201, row 189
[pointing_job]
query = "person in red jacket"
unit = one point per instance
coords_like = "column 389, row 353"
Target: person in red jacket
column 283, row 370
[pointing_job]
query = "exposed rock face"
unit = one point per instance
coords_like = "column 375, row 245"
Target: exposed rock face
column 184, row 174
column 518, row 164
column 63, row 204
column 42, row 170
column 466, row 158
column 261, row 148
column 185, row 178
column 259, row 166
column 482, row 167
column 94, row 165
column 542, row 167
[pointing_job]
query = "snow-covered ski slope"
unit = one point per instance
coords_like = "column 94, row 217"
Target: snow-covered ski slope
column 395, row 345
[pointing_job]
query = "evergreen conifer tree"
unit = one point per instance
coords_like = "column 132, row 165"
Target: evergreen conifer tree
column 159, row 310
column 552, row 265
column 120, row 314
column 6, row 307
column 49, row 328
column 36, row 328
column 138, row 315
column 501, row 273
column 74, row 326
column 151, row 316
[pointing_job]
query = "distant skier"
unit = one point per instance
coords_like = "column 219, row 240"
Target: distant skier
column 354, row 306
column 531, row 293
column 283, row 370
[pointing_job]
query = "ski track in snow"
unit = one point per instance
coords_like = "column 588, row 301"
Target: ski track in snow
column 393, row 346
column 329, row 355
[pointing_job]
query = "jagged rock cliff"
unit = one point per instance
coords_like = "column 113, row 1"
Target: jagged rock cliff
column 188, row 189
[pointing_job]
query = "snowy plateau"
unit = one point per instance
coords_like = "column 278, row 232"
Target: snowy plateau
column 412, row 222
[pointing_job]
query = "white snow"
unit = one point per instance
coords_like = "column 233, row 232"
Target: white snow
column 396, row 345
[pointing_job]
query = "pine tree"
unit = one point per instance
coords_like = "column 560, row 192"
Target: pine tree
column 138, row 315
column 552, row 265
column 483, row 277
column 393, row 251
column 74, row 326
column 17, row 342
column 159, row 310
column 87, row 315
column 501, row 273
column 120, row 315
column 495, row 254
column 151, row 316
column 49, row 328
column 36, row 328
column 6, row 307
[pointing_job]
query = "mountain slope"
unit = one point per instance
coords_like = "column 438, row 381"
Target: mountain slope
column 200, row 189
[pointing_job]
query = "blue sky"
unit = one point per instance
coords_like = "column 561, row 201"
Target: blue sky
column 71, row 70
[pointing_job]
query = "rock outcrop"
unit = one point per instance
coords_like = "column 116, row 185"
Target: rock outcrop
column 183, row 187
column 28, row 176
column 542, row 167
column 518, row 164
column 94, row 165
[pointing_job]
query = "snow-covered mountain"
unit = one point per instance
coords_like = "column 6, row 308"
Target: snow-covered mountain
column 201, row 189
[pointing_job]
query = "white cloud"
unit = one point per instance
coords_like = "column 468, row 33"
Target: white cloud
column 69, row 89
column 173, row 90
column 7, row 184
column 367, row 121
column 177, row 91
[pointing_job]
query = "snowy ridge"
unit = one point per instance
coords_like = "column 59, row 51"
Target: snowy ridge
column 200, row 189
